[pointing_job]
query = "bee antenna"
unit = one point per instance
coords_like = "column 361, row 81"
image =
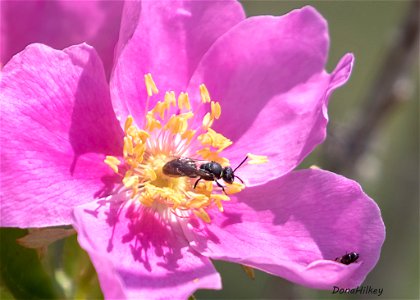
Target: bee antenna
column 246, row 157
column 239, row 179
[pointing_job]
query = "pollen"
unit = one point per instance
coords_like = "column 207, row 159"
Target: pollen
column 171, row 131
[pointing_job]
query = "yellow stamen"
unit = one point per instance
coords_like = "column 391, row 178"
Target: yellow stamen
column 149, row 173
column 216, row 110
column 187, row 115
column 150, row 85
column 176, row 124
column 207, row 121
column 170, row 99
column 152, row 123
column 256, row 159
column 139, row 150
column 234, row 188
column 205, row 139
column 205, row 188
column 141, row 136
column 202, row 214
column 113, row 162
column 219, row 205
column 128, row 123
column 183, row 101
column 205, row 96
column 167, row 136
column 218, row 198
column 160, row 109
column 146, row 197
column 130, row 181
column 214, row 139
column 221, row 197
column 207, row 154
column 198, row 200
column 188, row 135
column 128, row 146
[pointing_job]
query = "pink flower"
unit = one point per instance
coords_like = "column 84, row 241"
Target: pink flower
column 60, row 24
column 151, row 235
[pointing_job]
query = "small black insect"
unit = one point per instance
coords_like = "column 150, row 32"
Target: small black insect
column 210, row 171
column 348, row 258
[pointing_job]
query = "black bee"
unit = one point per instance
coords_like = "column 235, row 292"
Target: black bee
column 210, row 171
column 348, row 258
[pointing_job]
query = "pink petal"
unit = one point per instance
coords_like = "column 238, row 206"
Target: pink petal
column 295, row 227
column 167, row 39
column 60, row 24
column 150, row 257
column 272, row 89
column 57, row 124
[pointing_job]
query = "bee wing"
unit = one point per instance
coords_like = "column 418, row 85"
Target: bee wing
column 197, row 162
column 182, row 166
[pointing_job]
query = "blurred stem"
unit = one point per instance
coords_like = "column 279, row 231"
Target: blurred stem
column 343, row 149
column 83, row 282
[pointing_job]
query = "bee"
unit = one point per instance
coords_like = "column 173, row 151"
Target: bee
column 348, row 258
column 210, row 171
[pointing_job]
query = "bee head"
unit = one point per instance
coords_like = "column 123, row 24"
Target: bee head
column 353, row 256
column 228, row 175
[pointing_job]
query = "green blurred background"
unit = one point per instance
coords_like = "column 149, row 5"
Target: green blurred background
column 388, row 172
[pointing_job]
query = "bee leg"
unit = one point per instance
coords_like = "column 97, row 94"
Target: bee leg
column 195, row 184
column 219, row 185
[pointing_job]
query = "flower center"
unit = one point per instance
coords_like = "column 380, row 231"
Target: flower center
column 173, row 137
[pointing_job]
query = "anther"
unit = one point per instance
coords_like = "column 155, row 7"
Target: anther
column 152, row 123
column 150, row 85
column 207, row 121
column 216, row 110
column 170, row 99
column 257, row 159
column 128, row 123
column 183, row 101
column 207, row 154
column 205, row 96
column 234, row 188
column 113, row 162
column 202, row 214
